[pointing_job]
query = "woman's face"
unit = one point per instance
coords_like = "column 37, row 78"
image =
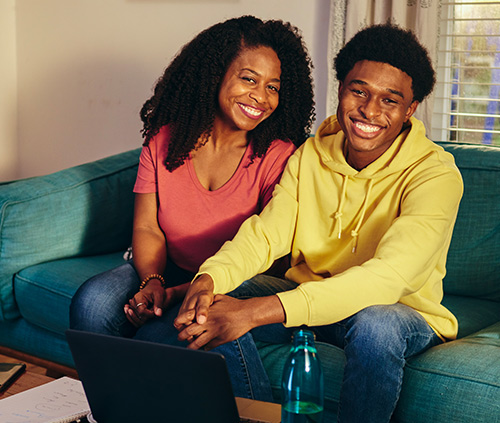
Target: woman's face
column 249, row 92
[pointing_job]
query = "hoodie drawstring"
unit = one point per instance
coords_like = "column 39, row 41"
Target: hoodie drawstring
column 338, row 213
column 355, row 232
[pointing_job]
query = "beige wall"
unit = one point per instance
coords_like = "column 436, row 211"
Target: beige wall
column 8, row 93
column 85, row 67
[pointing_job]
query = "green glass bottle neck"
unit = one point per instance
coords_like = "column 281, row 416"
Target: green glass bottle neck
column 304, row 338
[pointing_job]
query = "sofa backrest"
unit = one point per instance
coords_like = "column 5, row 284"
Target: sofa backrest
column 80, row 211
column 473, row 266
column 88, row 210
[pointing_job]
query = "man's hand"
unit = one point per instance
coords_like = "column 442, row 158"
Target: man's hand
column 198, row 299
column 228, row 320
column 231, row 318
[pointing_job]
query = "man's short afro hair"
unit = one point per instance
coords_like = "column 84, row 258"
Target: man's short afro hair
column 388, row 43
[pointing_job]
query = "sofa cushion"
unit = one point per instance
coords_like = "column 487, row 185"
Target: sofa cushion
column 43, row 292
column 473, row 262
column 20, row 335
column 456, row 381
column 61, row 215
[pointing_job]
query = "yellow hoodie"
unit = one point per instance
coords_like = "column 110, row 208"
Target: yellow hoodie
column 357, row 238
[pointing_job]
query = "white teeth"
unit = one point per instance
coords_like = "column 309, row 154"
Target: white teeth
column 251, row 110
column 367, row 128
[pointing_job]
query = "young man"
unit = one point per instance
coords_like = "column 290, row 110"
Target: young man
column 366, row 209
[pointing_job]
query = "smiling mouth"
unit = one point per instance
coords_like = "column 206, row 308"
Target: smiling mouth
column 366, row 127
column 251, row 111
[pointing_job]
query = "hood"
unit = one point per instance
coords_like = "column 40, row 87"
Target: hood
column 409, row 147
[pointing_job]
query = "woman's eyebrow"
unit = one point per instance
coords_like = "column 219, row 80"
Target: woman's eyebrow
column 258, row 74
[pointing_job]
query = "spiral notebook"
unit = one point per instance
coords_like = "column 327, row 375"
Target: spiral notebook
column 60, row 401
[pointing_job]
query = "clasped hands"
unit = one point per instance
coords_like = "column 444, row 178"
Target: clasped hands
column 207, row 321
column 228, row 319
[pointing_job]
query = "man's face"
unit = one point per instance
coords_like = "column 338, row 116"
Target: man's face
column 375, row 100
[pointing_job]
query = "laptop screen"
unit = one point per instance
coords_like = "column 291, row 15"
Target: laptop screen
column 135, row 381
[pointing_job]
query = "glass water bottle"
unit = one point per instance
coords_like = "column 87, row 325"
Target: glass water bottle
column 302, row 383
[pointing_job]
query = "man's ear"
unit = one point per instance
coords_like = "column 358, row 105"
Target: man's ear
column 340, row 88
column 411, row 109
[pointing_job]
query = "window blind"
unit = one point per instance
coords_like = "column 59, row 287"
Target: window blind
column 467, row 92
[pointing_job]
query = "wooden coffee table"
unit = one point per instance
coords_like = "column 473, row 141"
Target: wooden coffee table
column 26, row 381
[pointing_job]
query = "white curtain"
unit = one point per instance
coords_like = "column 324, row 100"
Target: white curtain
column 349, row 16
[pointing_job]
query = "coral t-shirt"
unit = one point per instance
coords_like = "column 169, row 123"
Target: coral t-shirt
column 196, row 221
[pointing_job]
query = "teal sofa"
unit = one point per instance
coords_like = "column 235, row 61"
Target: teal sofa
column 58, row 230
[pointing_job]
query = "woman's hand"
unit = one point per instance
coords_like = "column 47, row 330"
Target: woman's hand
column 147, row 303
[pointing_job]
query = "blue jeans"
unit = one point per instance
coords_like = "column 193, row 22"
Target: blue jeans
column 377, row 341
column 98, row 304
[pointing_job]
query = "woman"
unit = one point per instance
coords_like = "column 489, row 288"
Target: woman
column 218, row 131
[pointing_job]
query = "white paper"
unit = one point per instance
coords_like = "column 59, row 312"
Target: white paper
column 52, row 402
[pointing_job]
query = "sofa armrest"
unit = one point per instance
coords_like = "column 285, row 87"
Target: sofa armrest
column 83, row 210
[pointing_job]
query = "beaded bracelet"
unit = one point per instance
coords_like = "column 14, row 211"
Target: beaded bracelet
column 152, row 276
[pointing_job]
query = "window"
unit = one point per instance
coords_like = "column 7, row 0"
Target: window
column 467, row 95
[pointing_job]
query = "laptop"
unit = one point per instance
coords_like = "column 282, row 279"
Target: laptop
column 128, row 380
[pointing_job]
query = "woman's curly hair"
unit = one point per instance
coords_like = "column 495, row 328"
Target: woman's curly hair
column 186, row 96
column 390, row 44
